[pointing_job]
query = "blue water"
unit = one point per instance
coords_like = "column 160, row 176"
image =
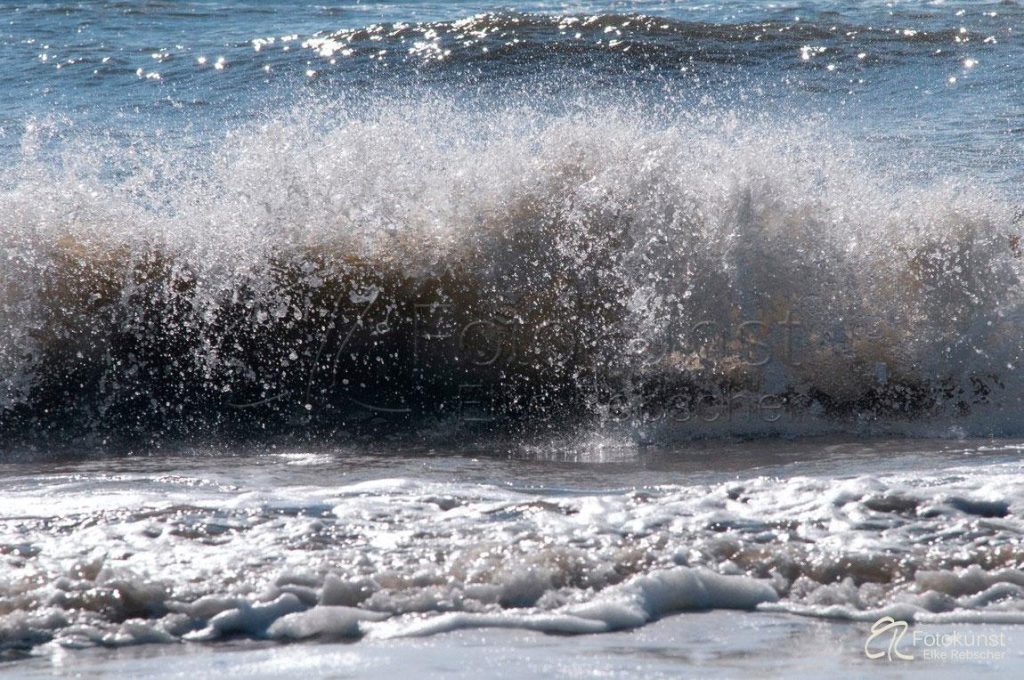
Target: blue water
column 939, row 79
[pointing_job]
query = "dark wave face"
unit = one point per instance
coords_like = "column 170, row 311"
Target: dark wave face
column 254, row 222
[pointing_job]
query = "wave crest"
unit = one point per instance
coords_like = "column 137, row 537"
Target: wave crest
column 424, row 262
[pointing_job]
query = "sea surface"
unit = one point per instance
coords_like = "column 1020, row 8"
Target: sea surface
column 532, row 339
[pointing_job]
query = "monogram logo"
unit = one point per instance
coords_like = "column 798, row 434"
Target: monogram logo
column 882, row 626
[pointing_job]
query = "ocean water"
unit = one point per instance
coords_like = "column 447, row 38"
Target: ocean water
column 572, row 339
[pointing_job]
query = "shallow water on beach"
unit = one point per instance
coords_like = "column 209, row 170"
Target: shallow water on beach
column 206, row 548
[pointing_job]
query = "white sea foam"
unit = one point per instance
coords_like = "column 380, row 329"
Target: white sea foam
column 414, row 557
column 323, row 620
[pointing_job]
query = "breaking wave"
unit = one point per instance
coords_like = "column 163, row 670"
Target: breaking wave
column 403, row 265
